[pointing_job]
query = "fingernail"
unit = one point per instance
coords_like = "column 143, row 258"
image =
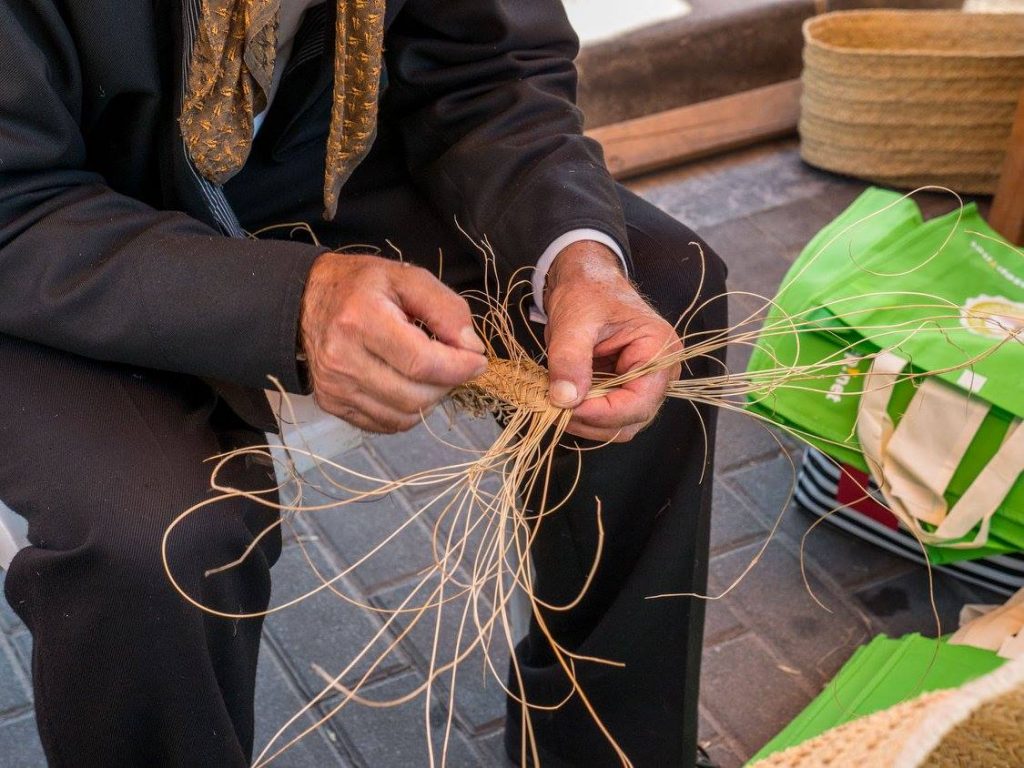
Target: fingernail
column 481, row 370
column 471, row 341
column 563, row 393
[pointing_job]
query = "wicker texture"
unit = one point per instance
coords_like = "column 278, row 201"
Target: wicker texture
column 980, row 724
column 912, row 98
column 518, row 384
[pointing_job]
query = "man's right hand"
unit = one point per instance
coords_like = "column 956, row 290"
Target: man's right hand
column 370, row 364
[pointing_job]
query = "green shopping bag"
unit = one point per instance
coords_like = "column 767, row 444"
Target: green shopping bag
column 825, row 422
column 882, row 674
column 889, row 296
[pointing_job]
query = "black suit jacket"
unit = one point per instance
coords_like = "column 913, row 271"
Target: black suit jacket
column 110, row 245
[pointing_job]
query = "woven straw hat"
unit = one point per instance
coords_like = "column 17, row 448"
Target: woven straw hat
column 911, row 98
column 980, row 725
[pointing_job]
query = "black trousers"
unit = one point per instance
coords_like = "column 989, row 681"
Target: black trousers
column 101, row 457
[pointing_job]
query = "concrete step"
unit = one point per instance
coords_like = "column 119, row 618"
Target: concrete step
column 701, row 50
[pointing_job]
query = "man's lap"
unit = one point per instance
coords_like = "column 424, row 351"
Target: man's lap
column 100, row 458
column 104, row 456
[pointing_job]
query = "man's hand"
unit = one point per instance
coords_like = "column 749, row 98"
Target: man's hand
column 370, row 364
column 598, row 322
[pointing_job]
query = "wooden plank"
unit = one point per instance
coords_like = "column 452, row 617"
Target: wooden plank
column 655, row 141
column 1007, row 215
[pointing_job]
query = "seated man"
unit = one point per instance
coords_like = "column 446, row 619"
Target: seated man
column 138, row 325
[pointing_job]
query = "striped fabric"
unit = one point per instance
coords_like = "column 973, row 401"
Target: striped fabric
column 311, row 39
column 818, row 491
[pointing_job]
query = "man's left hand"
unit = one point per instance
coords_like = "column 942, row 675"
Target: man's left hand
column 598, row 322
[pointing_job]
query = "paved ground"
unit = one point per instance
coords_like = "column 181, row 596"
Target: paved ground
column 770, row 648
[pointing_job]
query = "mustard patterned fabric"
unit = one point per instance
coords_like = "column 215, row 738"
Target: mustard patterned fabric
column 232, row 70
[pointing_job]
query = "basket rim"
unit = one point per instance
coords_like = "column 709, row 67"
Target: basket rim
column 908, row 53
column 953, row 711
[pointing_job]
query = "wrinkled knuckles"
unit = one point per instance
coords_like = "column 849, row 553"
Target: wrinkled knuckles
column 627, row 434
column 333, row 356
column 349, row 321
column 675, row 344
column 418, row 367
column 415, row 271
column 416, row 405
column 393, row 426
column 347, row 413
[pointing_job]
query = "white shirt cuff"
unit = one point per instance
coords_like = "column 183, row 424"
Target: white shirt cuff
column 540, row 272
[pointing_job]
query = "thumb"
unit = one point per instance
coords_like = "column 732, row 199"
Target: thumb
column 571, row 363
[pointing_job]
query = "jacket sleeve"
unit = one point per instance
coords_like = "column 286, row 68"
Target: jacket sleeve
column 93, row 272
column 486, row 93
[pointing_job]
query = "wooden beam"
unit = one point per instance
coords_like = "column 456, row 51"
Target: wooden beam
column 647, row 143
column 1007, row 215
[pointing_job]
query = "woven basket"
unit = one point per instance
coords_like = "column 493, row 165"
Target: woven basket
column 980, row 725
column 911, row 98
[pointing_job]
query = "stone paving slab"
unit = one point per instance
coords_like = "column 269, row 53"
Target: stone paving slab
column 851, row 563
column 720, row 748
column 324, row 629
column 19, row 742
column 279, row 697
column 734, row 522
column 9, row 621
column 769, row 647
column 740, row 442
column 479, row 700
column 396, row 736
column 750, row 690
column 736, row 186
column 721, row 623
column 15, row 694
column 810, row 624
column 355, row 532
column 22, row 643
column 899, row 605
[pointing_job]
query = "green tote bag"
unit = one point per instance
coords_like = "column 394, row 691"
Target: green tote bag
column 881, row 297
